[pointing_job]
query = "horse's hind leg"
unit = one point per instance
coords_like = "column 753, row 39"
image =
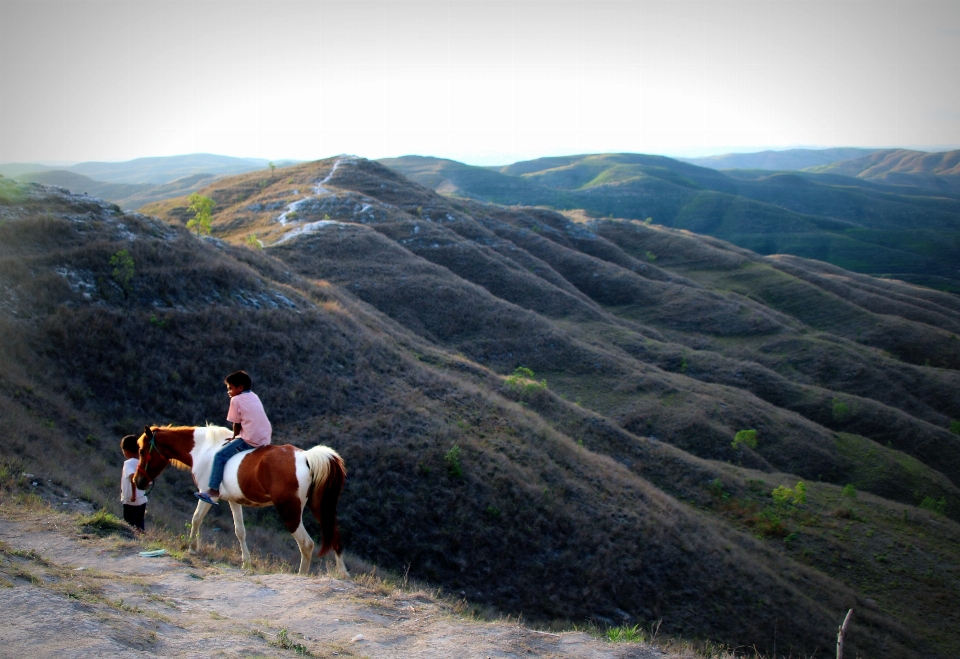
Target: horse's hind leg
column 291, row 512
column 193, row 543
column 305, row 542
column 241, row 532
column 341, row 567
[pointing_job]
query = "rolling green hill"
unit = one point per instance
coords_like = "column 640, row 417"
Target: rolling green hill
column 542, row 411
column 863, row 226
column 937, row 172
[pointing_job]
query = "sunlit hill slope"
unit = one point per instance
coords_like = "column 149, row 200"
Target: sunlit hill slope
column 907, row 231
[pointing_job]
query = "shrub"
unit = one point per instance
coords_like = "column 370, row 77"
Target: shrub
column 745, row 438
column 716, row 489
column 955, row 427
column 934, row 506
column 783, row 495
column 454, row 466
column 849, row 491
column 768, row 524
column 625, row 634
column 840, row 410
column 522, row 381
column 284, row 642
column 123, row 269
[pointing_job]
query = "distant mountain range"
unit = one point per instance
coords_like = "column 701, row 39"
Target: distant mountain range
column 156, row 171
column 129, row 196
column 790, row 159
column 133, row 183
column 869, row 225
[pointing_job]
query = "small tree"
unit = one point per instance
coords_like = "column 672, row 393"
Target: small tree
column 202, row 220
column 271, row 166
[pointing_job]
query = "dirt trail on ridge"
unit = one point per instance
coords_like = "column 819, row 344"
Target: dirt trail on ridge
column 66, row 595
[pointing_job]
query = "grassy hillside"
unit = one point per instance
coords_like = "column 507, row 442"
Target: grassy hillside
column 938, row 172
column 605, row 481
column 864, row 226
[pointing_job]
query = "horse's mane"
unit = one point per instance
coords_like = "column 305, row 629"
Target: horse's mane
column 215, row 434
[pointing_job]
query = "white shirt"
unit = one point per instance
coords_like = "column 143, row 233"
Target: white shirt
column 126, row 485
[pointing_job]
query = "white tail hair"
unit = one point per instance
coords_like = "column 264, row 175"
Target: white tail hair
column 318, row 462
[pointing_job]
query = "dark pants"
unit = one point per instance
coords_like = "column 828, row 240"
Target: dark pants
column 220, row 460
column 133, row 515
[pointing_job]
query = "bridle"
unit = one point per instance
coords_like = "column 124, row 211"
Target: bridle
column 153, row 447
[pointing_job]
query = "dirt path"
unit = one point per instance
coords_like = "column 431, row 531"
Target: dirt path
column 65, row 595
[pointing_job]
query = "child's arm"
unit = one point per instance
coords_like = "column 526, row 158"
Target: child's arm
column 127, row 489
column 236, row 431
column 133, row 489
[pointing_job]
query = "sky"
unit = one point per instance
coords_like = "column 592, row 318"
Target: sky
column 479, row 81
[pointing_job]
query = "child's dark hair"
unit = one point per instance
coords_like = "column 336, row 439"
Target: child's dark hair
column 239, row 379
column 129, row 444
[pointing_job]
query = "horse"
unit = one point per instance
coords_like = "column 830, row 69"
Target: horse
column 283, row 476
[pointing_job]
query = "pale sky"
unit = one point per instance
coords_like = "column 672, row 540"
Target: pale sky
column 478, row 81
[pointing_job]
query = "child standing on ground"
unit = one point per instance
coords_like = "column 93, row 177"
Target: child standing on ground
column 134, row 500
column 251, row 429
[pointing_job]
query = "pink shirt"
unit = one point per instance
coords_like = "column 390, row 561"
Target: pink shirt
column 247, row 410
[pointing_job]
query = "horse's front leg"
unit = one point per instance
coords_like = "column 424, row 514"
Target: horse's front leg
column 241, row 532
column 193, row 543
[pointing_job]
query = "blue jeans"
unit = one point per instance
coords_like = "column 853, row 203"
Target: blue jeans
column 220, row 460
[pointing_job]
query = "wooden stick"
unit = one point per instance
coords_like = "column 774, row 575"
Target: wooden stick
column 842, row 633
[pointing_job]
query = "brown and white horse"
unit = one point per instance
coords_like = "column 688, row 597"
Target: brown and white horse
column 282, row 476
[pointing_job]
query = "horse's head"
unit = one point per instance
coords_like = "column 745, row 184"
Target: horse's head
column 158, row 447
column 152, row 459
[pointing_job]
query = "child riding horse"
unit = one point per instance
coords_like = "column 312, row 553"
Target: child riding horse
column 283, row 476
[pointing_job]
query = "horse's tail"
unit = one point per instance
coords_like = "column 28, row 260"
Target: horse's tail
column 327, row 478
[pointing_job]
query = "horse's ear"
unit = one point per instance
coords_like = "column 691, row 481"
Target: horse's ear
column 148, row 432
